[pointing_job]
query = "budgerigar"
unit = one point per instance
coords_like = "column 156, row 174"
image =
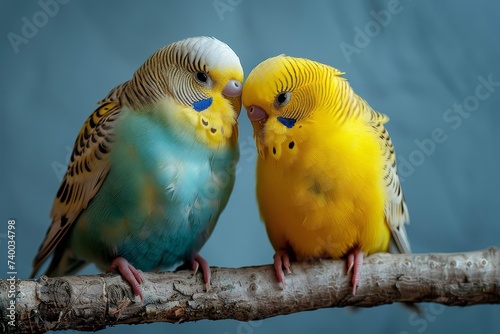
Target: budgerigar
column 327, row 183
column 152, row 168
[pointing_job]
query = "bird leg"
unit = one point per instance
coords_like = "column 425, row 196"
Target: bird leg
column 354, row 263
column 281, row 260
column 129, row 273
column 198, row 261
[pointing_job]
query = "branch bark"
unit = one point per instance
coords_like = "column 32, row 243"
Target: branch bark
column 93, row 302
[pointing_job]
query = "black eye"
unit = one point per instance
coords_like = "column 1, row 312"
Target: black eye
column 282, row 99
column 202, row 76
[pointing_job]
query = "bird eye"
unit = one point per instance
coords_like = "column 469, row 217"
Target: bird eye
column 282, row 99
column 202, row 77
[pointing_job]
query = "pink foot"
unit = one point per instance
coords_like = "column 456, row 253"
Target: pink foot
column 354, row 262
column 198, row 261
column 129, row 273
column 281, row 260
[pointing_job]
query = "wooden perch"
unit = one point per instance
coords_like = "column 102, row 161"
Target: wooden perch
column 93, row 302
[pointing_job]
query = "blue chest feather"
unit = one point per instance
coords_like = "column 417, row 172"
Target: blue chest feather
column 160, row 200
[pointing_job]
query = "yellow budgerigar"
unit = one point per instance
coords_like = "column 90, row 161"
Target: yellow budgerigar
column 327, row 182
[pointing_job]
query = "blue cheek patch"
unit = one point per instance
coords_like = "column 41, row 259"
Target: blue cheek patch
column 202, row 104
column 288, row 122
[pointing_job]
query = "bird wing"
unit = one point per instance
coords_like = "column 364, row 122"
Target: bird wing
column 87, row 169
column 395, row 209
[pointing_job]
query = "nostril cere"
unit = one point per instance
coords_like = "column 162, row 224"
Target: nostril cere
column 232, row 88
column 256, row 113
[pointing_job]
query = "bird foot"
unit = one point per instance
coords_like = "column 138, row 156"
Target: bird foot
column 354, row 263
column 281, row 260
column 198, row 261
column 129, row 273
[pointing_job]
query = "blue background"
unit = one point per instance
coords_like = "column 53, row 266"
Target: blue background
column 414, row 66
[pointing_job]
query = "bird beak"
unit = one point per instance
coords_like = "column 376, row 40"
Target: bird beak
column 232, row 92
column 258, row 117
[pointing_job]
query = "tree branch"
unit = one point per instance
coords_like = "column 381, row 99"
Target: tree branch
column 250, row 293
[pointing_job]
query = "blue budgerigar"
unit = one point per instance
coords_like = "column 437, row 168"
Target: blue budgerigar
column 152, row 168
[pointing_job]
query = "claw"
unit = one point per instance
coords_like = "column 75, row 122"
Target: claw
column 281, row 260
column 196, row 262
column 129, row 273
column 354, row 264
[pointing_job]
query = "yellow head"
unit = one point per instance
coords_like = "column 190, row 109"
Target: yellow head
column 194, row 86
column 282, row 94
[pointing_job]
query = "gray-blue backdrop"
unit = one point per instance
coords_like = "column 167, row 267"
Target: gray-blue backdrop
column 433, row 67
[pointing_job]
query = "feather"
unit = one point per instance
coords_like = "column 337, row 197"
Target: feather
column 86, row 172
